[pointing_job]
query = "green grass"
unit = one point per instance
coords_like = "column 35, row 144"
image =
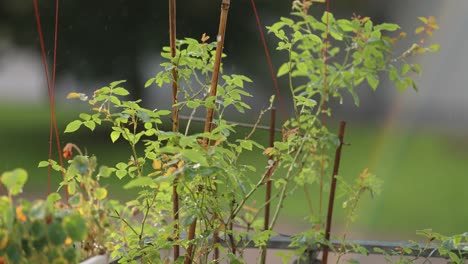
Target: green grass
column 425, row 173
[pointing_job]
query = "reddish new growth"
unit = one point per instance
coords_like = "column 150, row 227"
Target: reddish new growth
column 68, row 150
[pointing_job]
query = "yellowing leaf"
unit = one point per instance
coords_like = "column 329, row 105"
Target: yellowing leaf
column 180, row 164
column 364, row 174
column 81, row 96
column 169, row 171
column 20, row 215
column 68, row 241
column 100, row 193
column 419, row 30
column 250, row 209
column 204, row 38
column 157, row 164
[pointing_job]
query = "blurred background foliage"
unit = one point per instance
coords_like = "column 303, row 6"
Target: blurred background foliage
column 416, row 142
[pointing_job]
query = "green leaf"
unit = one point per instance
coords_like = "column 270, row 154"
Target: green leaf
column 140, row 182
column 121, row 165
column 75, row 227
column 327, row 18
column 120, row 91
column 195, row 156
column 71, row 187
column 56, row 234
column 75, row 200
column 100, row 193
column 90, row 124
column 149, row 82
column 163, row 112
column 188, row 220
column 148, row 125
column 85, row 117
column 38, row 211
column 405, row 69
column 387, row 27
column 345, row 25
column 373, row 81
column 105, row 171
column 247, row 144
column 283, row 69
column 43, row 164
column 210, row 102
column 416, row 68
column 193, row 104
column 434, row 47
column 121, row 173
column 73, row 126
column 114, row 136
column 13, row 252
column 71, row 255
column 7, row 216
column 38, row 229
column 53, row 197
column 114, row 84
column 14, row 180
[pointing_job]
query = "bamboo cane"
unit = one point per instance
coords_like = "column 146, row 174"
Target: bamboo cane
column 210, row 113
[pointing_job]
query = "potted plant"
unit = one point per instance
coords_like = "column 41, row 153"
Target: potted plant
column 53, row 230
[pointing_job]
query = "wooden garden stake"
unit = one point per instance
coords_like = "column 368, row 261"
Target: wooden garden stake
column 331, row 200
column 209, row 115
column 268, row 183
column 175, row 118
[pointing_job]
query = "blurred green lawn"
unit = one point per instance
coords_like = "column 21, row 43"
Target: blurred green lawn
column 425, row 173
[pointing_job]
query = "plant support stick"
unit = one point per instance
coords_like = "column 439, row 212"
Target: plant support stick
column 268, row 184
column 175, row 118
column 336, row 167
column 209, row 114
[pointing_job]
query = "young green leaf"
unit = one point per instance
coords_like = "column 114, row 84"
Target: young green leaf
column 14, row 180
column 73, row 126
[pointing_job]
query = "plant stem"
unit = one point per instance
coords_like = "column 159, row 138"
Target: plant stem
column 268, row 172
column 125, row 222
column 283, row 190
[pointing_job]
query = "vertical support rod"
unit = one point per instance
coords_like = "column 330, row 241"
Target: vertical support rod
column 214, row 87
column 336, row 167
column 268, row 183
column 175, row 119
column 217, row 63
column 209, row 115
